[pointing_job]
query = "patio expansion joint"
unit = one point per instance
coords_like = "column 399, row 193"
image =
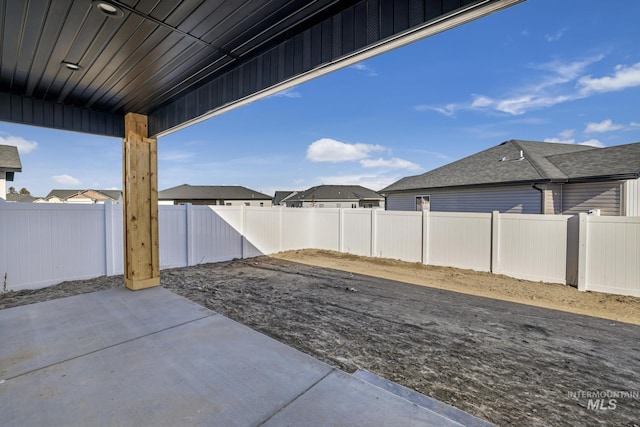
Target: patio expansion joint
column 213, row 314
column 302, row 393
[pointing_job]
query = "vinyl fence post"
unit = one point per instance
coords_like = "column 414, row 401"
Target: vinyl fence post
column 374, row 220
column 281, row 228
column 341, row 230
column 495, row 242
column 188, row 212
column 243, row 217
column 109, row 239
column 425, row 236
column 583, row 225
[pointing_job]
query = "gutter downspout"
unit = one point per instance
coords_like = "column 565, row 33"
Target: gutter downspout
column 542, row 198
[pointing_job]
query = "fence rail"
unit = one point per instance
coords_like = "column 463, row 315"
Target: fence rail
column 42, row 244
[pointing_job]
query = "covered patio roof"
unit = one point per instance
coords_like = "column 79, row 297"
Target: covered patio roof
column 138, row 69
column 82, row 65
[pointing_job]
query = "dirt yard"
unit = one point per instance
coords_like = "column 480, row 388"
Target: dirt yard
column 512, row 364
column 547, row 295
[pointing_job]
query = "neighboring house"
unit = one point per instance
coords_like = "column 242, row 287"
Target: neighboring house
column 9, row 164
column 335, row 196
column 225, row 195
column 22, row 198
column 528, row 177
column 281, row 195
column 82, row 196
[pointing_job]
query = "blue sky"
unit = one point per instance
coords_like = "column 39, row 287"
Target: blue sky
column 547, row 70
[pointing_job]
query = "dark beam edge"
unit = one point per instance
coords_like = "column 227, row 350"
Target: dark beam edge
column 173, row 115
column 35, row 112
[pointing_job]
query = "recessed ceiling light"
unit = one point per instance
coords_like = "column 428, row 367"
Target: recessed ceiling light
column 71, row 66
column 109, row 9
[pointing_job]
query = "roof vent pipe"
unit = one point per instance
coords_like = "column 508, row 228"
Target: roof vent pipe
column 521, row 155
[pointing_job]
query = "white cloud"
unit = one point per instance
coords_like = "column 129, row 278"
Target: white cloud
column 624, row 77
column 562, row 72
column 556, row 36
column 374, row 182
column 330, row 150
column 592, row 143
column 480, row 101
column 360, row 66
column 393, row 163
column 66, row 179
column 567, row 133
column 560, row 140
column 559, row 82
column 566, row 137
column 447, row 110
column 24, row 146
column 520, row 105
column 604, row 126
column 288, row 93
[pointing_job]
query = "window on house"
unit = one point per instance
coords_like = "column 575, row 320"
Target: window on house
column 367, row 205
column 422, row 203
column 247, row 203
column 354, row 205
column 261, row 204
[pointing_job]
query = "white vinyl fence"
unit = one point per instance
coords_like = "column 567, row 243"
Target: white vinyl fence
column 41, row 245
column 609, row 255
column 44, row 244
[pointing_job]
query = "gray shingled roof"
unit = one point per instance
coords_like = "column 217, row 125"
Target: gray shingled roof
column 621, row 160
column 336, row 192
column 114, row 194
column 62, row 194
column 211, row 192
column 280, row 196
column 65, row 194
column 541, row 162
column 10, row 159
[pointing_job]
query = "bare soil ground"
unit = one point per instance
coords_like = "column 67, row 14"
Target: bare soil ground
column 548, row 295
column 509, row 363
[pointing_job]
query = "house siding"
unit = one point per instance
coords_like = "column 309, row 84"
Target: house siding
column 401, row 202
column 605, row 196
column 551, row 199
column 632, row 197
column 516, row 199
column 344, row 204
column 265, row 202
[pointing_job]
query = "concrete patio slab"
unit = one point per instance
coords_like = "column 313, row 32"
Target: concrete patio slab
column 341, row 399
column 38, row 335
column 126, row 358
column 420, row 399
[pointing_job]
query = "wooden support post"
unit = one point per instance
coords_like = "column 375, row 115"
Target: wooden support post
column 140, row 209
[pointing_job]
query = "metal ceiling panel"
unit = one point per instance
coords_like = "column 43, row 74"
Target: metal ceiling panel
column 180, row 62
